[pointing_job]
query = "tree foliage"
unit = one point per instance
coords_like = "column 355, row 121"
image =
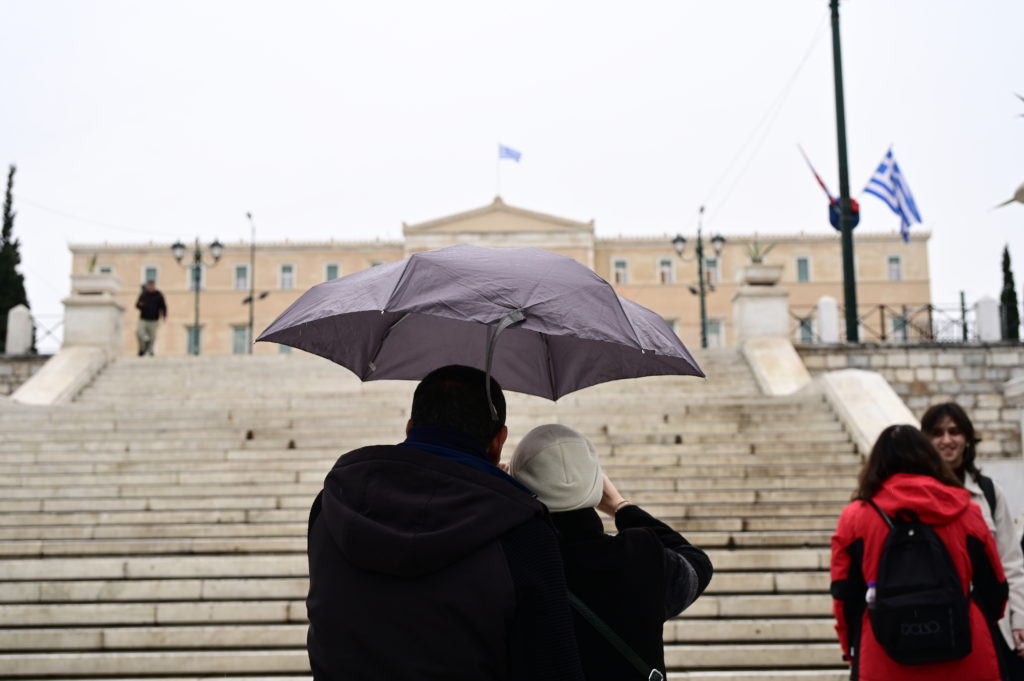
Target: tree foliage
column 1008, row 300
column 12, row 284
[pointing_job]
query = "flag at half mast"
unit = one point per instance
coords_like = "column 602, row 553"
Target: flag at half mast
column 889, row 185
column 508, row 152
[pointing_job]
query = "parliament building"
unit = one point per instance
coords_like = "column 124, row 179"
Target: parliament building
column 891, row 275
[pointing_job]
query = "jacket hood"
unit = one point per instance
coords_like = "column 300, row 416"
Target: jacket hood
column 399, row 511
column 934, row 502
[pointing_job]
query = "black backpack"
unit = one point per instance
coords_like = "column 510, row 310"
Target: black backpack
column 920, row 614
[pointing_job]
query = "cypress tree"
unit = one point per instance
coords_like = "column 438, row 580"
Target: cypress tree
column 1008, row 300
column 12, row 284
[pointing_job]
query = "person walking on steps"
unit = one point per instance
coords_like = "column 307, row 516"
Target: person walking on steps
column 152, row 308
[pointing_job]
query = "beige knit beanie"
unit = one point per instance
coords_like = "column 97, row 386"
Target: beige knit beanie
column 560, row 466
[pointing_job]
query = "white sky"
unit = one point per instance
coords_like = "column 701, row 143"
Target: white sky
column 343, row 119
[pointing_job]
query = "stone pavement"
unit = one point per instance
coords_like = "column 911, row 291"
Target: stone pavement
column 155, row 527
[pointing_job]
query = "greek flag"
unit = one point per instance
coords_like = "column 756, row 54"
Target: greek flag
column 889, row 185
column 508, row 152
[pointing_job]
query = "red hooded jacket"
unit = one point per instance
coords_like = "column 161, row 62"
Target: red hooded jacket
column 857, row 547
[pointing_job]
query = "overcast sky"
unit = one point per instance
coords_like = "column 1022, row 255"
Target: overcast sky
column 138, row 121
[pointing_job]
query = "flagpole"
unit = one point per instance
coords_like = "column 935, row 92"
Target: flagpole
column 845, row 210
column 497, row 174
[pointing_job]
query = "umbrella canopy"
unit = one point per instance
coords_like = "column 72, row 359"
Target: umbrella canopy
column 562, row 327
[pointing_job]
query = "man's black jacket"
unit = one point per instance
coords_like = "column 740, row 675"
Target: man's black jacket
column 423, row 567
column 151, row 305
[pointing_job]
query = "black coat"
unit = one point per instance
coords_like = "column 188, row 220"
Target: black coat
column 634, row 581
column 422, row 567
column 151, row 305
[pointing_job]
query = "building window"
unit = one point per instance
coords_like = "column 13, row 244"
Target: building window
column 672, row 324
column 803, row 269
column 375, row 263
column 106, row 269
column 331, row 271
column 714, row 331
column 711, row 273
column 287, row 277
column 284, row 349
column 241, row 277
column 240, row 339
column 895, row 268
column 194, row 339
column 899, row 328
column 149, row 273
column 807, row 330
column 665, row 271
column 620, row 272
column 191, row 273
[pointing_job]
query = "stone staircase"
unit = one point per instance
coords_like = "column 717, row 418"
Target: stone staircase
column 156, row 526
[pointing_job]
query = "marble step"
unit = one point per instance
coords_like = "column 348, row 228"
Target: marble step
column 239, row 662
column 295, row 588
column 280, row 501
column 724, row 608
column 296, row 542
column 294, row 635
column 294, row 564
column 235, row 436
column 290, row 483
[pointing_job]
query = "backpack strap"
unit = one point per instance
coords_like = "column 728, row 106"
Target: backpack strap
column 988, row 488
column 888, row 520
column 649, row 672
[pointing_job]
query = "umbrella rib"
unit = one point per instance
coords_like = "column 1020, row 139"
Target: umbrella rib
column 398, row 282
column 629, row 321
column 372, row 366
column 551, row 365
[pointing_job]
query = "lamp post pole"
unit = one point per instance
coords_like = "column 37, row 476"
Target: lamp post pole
column 717, row 243
column 845, row 210
column 178, row 249
column 700, row 285
column 252, row 277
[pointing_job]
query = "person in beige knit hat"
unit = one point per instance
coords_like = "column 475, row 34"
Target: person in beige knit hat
column 634, row 580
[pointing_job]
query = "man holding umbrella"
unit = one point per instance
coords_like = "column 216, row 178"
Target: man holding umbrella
column 426, row 561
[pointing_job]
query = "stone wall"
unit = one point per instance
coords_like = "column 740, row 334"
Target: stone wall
column 922, row 375
column 16, row 370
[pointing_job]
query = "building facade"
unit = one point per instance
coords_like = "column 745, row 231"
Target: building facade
column 891, row 275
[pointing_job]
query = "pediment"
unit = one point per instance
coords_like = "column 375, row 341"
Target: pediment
column 498, row 218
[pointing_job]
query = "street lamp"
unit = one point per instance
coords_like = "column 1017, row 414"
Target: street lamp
column 252, row 278
column 178, row 250
column 717, row 244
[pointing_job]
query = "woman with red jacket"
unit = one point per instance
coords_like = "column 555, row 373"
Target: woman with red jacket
column 905, row 472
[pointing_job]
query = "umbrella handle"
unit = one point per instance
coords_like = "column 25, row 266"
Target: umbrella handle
column 513, row 317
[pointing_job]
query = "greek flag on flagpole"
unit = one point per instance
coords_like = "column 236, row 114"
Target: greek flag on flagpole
column 889, row 185
column 508, row 152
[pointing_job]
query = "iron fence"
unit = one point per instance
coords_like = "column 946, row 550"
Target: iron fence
column 49, row 332
column 924, row 323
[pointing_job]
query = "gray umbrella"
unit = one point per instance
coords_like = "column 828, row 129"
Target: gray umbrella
column 562, row 327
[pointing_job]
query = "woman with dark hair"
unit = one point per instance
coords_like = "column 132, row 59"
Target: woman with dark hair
column 902, row 477
column 952, row 433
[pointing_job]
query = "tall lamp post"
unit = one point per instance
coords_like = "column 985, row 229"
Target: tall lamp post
column 252, row 277
column 845, row 209
column 717, row 243
column 216, row 250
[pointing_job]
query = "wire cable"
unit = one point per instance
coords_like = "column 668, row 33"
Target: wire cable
column 97, row 223
column 764, row 125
